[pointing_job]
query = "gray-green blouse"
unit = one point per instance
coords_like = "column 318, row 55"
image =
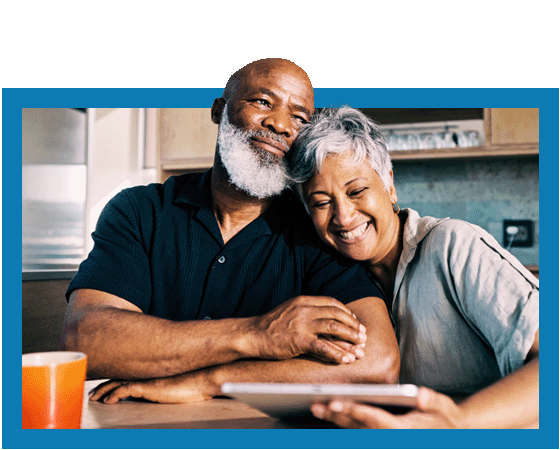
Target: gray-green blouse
column 465, row 310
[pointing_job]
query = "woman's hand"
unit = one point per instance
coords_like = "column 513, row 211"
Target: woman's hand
column 434, row 410
column 185, row 388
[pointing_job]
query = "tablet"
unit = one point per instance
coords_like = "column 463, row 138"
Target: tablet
column 288, row 400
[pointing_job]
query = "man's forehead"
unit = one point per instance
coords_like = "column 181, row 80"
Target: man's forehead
column 271, row 75
column 279, row 82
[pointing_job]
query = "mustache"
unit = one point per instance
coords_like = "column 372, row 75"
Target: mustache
column 269, row 135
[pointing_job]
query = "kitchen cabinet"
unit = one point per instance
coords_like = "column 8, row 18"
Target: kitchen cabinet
column 186, row 140
column 187, row 136
column 508, row 131
column 512, row 126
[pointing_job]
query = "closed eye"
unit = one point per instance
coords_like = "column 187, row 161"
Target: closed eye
column 301, row 120
column 320, row 205
column 357, row 192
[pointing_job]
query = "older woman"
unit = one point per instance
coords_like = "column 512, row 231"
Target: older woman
column 465, row 311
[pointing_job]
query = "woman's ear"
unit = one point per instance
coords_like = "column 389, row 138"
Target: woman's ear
column 217, row 110
column 392, row 190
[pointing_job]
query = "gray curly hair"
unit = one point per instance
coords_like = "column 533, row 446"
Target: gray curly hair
column 333, row 131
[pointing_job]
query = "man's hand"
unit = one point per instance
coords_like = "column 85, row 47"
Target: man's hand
column 434, row 410
column 321, row 327
column 123, row 343
column 186, row 388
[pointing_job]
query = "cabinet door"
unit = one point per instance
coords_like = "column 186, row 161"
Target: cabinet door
column 188, row 138
column 514, row 126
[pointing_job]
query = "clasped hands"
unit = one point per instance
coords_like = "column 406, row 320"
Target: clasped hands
column 319, row 327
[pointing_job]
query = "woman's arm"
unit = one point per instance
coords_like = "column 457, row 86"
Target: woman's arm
column 512, row 402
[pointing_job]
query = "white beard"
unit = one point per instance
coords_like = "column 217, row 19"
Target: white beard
column 255, row 171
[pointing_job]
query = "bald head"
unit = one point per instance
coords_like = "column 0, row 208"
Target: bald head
column 262, row 68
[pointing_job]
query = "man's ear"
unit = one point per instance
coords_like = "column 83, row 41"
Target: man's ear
column 217, row 110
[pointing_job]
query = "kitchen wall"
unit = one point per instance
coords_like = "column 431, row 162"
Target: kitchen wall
column 484, row 192
column 115, row 159
column 53, row 188
column 73, row 163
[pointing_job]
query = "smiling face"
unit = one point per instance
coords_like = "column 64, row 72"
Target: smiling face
column 272, row 97
column 352, row 211
column 263, row 106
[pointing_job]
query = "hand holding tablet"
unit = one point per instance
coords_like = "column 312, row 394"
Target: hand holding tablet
column 285, row 400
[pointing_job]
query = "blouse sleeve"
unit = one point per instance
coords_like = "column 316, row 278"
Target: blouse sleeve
column 495, row 294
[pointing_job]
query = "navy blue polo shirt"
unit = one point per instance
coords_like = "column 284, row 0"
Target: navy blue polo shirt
column 160, row 247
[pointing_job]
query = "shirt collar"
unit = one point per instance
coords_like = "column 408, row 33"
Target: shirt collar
column 415, row 229
column 196, row 192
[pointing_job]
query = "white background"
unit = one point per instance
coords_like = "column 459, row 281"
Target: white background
column 339, row 43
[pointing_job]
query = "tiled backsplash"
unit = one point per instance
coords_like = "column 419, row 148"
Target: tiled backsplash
column 484, row 192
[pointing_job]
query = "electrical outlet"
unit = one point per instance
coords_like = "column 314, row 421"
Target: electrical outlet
column 524, row 235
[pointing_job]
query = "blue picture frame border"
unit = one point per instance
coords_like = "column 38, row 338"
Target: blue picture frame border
column 13, row 100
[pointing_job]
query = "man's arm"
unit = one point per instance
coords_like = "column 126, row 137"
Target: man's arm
column 123, row 343
column 380, row 364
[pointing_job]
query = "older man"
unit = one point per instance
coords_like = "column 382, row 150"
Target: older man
column 231, row 246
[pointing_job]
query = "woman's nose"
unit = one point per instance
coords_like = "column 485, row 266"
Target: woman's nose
column 343, row 213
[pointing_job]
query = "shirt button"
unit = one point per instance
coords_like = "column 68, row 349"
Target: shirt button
column 222, row 259
column 207, row 318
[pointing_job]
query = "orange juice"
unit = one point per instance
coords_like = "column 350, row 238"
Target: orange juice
column 52, row 386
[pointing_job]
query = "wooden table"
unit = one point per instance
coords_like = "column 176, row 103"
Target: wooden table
column 221, row 413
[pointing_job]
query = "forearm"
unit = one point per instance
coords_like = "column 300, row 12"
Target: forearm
column 123, row 343
column 297, row 370
column 512, row 402
column 129, row 345
column 380, row 363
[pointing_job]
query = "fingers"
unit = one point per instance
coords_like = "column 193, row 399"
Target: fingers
column 339, row 418
column 336, row 336
column 340, row 351
column 432, row 401
column 131, row 389
column 114, row 390
column 102, row 389
column 440, row 405
column 333, row 309
column 310, row 325
column 347, row 414
column 329, row 351
column 329, row 317
column 329, row 308
column 340, row 413
column 347, row 346
column 340, row 331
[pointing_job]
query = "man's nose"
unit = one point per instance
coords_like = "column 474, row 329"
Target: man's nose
column 279, row 122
